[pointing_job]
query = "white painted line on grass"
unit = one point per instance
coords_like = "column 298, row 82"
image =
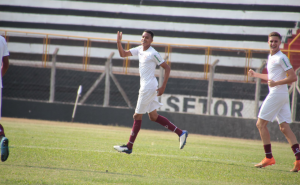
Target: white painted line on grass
column 147, row 154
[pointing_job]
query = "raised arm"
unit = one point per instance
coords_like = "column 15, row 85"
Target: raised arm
column 122, row 52
column 252, row 73
column 167, row 69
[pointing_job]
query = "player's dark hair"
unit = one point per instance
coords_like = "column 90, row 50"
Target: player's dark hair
column 275, row 34
column 150, row 32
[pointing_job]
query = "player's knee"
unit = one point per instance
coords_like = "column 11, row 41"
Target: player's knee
column 134, row 116
column 282, row 129
column 152, row 117
column 137, row 116
column 259, row 125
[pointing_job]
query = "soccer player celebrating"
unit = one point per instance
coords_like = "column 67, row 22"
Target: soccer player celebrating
column 147, row 99
column 5, row 63
column 277, row 104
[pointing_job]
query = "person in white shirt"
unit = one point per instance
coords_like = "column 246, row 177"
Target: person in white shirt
column 277, row 103
column 4, row 67
column 148, row 102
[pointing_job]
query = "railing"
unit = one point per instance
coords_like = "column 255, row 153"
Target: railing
column 206, row 61
column 290, row 44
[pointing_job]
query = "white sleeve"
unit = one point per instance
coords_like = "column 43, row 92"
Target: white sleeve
column 5, row 49
column 134, row 51
column 285, row 63
column 157, row 58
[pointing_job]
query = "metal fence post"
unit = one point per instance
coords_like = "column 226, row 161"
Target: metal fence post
column 52, row 78
column 98, row 80
column 210, row 85
column 107, row 82
column 257, row 89
column 121, row 90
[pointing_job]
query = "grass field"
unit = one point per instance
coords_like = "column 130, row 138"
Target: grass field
column 44, row 152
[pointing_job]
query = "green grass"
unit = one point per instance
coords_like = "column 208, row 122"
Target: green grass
column 44, row 152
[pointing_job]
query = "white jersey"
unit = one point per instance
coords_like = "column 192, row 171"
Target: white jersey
column 147, row 63
column 277, row 66
column 3, row 52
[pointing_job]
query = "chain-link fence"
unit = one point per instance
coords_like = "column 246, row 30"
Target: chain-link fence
column 86, row 61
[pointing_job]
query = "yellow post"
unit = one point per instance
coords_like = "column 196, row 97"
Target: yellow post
column 248, row 58
column 86, row 54
column 168, row 59
column 207, row 62
column 126, row 63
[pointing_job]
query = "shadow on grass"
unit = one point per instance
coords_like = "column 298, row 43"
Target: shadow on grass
column 66, row 169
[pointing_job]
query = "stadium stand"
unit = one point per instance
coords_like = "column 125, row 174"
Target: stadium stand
column 294, row 57
column 216, row 23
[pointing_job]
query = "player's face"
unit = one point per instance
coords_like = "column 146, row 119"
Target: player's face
column 274, row 43
column 146, row 39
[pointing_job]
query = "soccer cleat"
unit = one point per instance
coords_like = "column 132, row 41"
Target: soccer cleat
column 123, row 148
column 265, row 162
column 182, row 139
column 296, row 167
column 4, row 149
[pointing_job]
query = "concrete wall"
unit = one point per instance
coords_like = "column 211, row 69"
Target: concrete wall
column 197, row 124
